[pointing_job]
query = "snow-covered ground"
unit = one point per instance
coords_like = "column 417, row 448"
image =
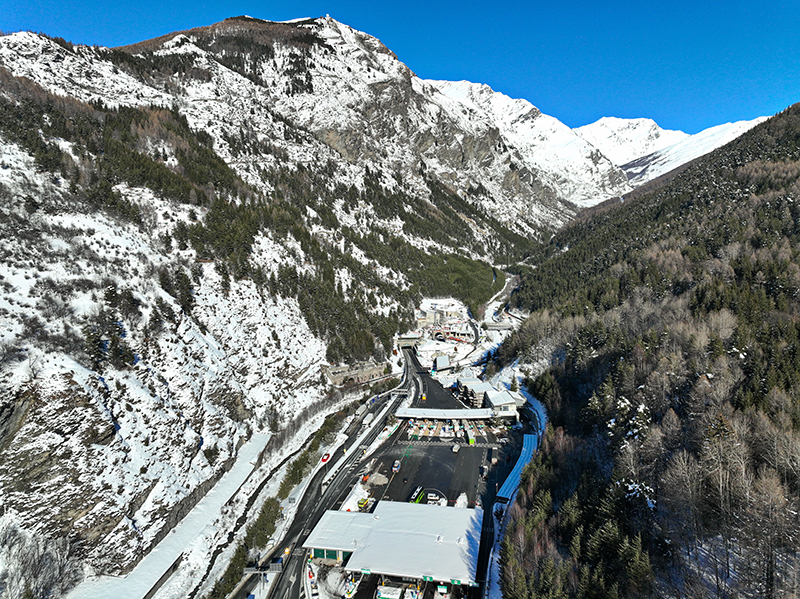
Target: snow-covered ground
column 206, row 513
column 649, row 167
column 625, row 140
column 200, row 552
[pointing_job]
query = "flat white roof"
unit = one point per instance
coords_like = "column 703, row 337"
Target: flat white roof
column 500, row 398
column 479, row 387
column 431, row 414
column 410, row 540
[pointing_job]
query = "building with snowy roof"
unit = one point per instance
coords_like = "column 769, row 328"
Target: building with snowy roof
column 473, row 390
column 403, row 540
column 502, row 403
column 441, row 363
column 519, row 399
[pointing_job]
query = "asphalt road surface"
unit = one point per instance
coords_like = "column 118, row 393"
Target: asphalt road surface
column 431, row 465
column 317, row 499
column 436, row 397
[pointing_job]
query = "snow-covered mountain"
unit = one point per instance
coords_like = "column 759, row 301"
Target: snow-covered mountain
column 653, row 165
column 563, row 158
column 624, row 140
column 645, row 151
column 192, row 228
column 354, row 97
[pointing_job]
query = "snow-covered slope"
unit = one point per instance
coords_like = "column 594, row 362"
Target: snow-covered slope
column 649, row 167
column 103, row 456
column 624, row 140
column 192, row 227
column 645, row 151
column 353, row 96
column 564, row 160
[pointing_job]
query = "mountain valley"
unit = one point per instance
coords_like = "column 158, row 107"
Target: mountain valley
column 196, row 228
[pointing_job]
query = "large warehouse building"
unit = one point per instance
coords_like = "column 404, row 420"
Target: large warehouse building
column 403, row 540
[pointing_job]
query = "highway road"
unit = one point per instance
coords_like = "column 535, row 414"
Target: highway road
column 318, row 497
column 429, row 466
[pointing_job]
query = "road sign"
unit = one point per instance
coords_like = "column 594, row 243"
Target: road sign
column 454, row 581
column 427, row 578
column 366, row 571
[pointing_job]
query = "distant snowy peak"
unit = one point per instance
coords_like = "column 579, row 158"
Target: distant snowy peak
column 563, row 159
column 645, row 151
column 624, row 140
column 653, row 165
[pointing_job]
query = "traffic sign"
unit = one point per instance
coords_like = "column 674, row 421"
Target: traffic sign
column 427, row 578
column 366, row 571
column 454, row 581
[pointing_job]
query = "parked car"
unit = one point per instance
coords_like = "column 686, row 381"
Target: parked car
column 456, row 447
column 396, row 466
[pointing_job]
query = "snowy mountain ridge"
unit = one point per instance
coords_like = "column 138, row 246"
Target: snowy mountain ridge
column 356, row 99
column 566, row 161
column 651, row 166
column 645, row 151
column 625, row 140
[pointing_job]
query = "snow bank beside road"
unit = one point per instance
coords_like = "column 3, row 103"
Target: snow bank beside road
column 147, row 573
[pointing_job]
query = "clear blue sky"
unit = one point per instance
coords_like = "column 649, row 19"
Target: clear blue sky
column 687, row 64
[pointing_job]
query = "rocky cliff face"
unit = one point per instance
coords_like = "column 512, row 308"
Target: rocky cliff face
column 100, row 450
column 353, row 99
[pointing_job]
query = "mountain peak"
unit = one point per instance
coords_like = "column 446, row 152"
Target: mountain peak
column 624, row 140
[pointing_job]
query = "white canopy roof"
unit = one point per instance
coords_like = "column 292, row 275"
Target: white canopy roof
column 411, row 540
column 430, row 414
column 478, row 388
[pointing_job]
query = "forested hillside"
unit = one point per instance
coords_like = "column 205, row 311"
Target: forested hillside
column 671, row 466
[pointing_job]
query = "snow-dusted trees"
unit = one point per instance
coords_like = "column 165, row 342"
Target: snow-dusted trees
column 32, row 565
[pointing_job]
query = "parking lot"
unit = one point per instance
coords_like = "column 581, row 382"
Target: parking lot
column 430, row 462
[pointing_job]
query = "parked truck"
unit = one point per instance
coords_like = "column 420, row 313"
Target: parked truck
column 368, row 419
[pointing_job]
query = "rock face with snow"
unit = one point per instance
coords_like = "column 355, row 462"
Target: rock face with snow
column 354, row 97
column 563, row 160
column 625, row 140
column 653, row 165
column 96, row 459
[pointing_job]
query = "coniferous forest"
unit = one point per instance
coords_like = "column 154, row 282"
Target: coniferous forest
column 671, row 463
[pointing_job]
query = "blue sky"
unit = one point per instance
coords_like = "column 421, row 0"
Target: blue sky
column 688, row 65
